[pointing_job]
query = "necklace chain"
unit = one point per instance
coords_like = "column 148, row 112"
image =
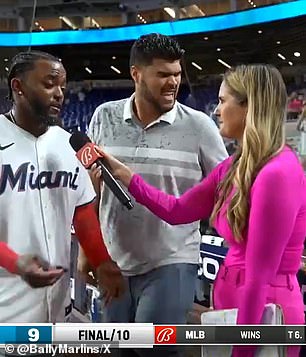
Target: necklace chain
column 12, row 117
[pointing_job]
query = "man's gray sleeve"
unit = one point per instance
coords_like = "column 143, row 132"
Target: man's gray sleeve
column 212, row 150
column 95, row 125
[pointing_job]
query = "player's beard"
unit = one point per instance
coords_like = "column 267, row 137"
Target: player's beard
column 149, row 97
column 41, row 112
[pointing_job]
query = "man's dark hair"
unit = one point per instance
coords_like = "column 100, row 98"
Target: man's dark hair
column 154, row 45
column 24, row 62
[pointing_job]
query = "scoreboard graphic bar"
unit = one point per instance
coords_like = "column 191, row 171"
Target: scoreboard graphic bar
column 127, row 335
column 29, row 333
column 147, row 335
column 229, row 335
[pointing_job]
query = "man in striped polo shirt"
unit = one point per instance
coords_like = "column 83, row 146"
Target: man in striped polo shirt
column 173, row 147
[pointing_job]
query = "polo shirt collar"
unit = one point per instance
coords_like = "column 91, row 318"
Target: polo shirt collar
column 128, row 114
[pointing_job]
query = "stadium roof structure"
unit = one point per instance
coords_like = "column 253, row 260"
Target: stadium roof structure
column 270, row 35
column 278, row 43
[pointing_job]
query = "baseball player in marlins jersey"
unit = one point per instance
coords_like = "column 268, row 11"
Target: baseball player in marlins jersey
column 43, row 189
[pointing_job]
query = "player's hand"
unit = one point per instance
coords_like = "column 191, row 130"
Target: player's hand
column 110, row 280
column 37, row 272
column 85, row 270
column 117, row 168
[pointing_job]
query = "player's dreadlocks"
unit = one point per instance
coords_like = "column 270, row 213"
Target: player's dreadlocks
column 24, row 62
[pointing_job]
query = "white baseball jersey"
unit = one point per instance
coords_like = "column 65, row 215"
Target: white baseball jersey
column 41, row 184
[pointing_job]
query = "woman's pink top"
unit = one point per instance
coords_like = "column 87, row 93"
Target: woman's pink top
column 276, row 229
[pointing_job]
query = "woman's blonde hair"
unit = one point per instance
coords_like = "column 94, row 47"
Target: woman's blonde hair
column 262, row 89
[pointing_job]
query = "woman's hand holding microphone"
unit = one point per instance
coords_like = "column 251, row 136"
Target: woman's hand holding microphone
column 120, row 171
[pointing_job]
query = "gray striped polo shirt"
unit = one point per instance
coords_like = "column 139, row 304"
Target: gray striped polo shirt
column 173, row 153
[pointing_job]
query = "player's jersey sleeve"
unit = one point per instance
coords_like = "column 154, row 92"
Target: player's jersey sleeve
column 86, row 192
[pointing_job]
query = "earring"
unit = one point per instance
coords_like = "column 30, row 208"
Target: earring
column 20, row 93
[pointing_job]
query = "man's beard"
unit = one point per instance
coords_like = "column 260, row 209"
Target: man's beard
column 56, row 122
column 147, row 94
column 50, row 120
column 41, row 114
column 47, row 120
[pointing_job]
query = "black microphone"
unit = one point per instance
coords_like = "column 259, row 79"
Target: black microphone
column 88, row 156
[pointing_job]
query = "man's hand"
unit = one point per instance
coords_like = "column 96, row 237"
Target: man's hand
column 85, row 270
column 110, row 280
column 37, row 272
column 107, row 276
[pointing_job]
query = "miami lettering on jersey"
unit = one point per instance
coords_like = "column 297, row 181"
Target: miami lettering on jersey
column 25, row 177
